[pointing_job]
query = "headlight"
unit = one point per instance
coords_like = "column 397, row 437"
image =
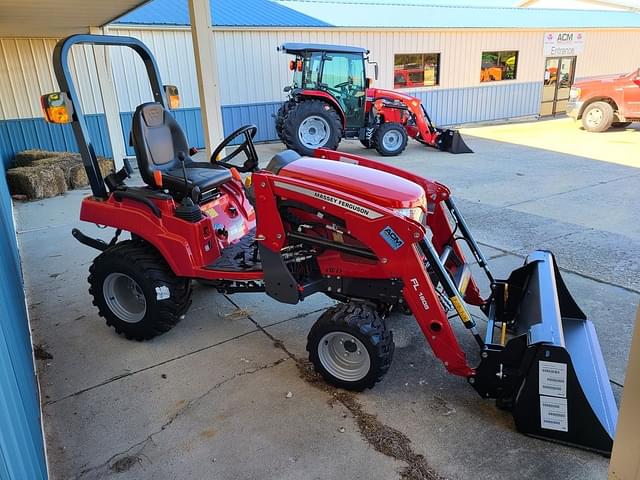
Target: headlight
column 413, row 213
column 574, row 92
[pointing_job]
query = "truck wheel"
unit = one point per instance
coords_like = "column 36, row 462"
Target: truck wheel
column 390, row 139
column 311, row 124
column 597, row 117
column 136, row 291
column 280, row 116
column 350, row 346
column 620, row 124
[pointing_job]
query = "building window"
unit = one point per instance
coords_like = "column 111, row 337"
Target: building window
column 499, row 66
column 416, row 70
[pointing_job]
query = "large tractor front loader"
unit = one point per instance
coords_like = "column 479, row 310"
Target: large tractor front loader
column 330, row 98
column 371, row 236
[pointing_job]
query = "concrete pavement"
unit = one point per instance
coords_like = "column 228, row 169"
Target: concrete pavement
column 210, row 399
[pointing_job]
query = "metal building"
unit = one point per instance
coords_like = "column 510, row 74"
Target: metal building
column 468, row 64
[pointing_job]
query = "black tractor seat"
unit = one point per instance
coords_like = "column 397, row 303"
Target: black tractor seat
column 158, row 141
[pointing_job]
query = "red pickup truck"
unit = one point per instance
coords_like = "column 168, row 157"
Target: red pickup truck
column 604, row 102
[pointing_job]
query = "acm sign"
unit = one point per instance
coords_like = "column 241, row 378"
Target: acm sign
column 557, row 44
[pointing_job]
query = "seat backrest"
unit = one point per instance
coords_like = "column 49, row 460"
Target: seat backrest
column 157, row 139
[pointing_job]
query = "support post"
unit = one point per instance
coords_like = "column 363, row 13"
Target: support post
column 109, row 100
column 207, row 73
column 625, row 463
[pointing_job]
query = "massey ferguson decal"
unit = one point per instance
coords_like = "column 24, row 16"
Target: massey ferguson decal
column 353, row 207
column 416, row 286
column 391, row 237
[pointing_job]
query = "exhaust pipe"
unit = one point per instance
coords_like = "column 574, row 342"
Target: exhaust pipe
column 551, row 373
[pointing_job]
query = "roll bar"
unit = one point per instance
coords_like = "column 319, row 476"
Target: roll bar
column 65, row 80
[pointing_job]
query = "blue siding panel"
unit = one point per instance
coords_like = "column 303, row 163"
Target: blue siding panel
column 21, row 445
column 22, row 134
column 483, row 103
column 496, row 101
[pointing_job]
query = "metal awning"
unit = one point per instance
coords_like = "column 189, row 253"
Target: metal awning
column 59, row 18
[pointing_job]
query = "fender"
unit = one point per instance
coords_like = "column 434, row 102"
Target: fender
column 321, row 95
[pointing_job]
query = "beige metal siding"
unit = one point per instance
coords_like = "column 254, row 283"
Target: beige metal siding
column 252, row 71
column 26, row 72
column 609, row 51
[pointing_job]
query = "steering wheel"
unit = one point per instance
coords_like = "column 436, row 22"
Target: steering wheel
column 251, row 163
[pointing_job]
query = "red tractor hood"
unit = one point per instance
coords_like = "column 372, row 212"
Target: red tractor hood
column 378, row 187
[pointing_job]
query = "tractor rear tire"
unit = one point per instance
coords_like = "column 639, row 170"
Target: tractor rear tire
column 136, row 291
column 366, row 143
column 315, row 120
column 597, row 117
column 280, row 116
column 350, row 346
column 390, row 139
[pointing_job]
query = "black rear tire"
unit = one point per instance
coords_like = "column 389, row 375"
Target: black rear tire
column 306, row 110
column 390, row 139
column 357, row 321
column 129, row 275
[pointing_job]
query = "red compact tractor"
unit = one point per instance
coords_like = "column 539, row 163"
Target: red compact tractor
column 330, row 98
column 371, row 236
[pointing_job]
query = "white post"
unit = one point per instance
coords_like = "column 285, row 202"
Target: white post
column 625, row 462
column 207, row 72
column 109, row 100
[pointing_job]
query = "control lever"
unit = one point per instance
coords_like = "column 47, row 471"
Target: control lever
column 187, row 210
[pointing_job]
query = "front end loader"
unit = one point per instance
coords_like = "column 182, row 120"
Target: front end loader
column 372, row 237
column 330, row 98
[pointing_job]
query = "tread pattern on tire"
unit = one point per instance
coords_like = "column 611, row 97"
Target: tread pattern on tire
column 144, row 258
column 363, row 319
column 380, row 132
column 297, row 112
column 280, row 116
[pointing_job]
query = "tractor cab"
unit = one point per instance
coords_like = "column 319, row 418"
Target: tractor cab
column 334, row 71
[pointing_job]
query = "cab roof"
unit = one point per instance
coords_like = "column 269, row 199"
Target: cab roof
column 300, row 48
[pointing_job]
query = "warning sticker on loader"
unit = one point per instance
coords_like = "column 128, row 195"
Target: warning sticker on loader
column 552, row 379
column 553, row 413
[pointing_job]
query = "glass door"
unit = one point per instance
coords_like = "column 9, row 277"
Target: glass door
column 558, row 77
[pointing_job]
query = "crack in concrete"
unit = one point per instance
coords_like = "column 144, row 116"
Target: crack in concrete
column 568, row 270
column 571, row 190
column 383, row 438
column 150, row 367
column 133, row 453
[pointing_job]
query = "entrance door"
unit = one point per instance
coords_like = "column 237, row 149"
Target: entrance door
column 558, row 78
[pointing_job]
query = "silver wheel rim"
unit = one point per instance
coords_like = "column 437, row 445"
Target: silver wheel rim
column 594, row 117
column 391, row 140
column 124, row 297
column 344, row 356
column 314, row 132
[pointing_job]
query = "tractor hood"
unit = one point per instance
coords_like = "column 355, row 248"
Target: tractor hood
column 378, row 187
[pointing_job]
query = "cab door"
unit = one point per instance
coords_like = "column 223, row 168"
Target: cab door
column 343, row 76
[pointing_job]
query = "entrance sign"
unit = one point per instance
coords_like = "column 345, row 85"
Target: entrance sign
column 557, row 44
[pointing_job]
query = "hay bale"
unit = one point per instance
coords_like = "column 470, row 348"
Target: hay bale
column 27, row 157
column 78, row 175
column 66, row 163
column 36, row 182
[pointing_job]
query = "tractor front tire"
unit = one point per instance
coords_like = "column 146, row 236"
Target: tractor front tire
column 597, row 117
column 136, row 291
column 350, row 346
column 390, row 139
column 311, row 124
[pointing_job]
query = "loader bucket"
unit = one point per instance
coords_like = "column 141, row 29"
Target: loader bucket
column 451, row 141
column 565, row 394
